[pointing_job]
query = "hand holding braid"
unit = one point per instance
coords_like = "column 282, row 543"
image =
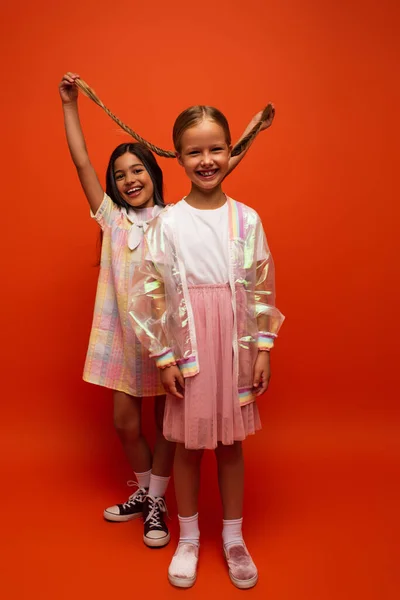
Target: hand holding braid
column 266, row 118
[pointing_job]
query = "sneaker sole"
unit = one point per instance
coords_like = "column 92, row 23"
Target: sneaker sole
column 182, row 582
column 120, row 518
column 240, row 583
column 243, row 585
column 157, row 542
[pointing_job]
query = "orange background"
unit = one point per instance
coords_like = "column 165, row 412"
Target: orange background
column 321, row 492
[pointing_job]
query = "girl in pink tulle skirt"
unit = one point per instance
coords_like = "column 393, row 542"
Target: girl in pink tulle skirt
column 203, row 302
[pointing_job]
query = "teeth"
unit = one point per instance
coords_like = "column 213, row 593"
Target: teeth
column 207, row 173
column 133, row 190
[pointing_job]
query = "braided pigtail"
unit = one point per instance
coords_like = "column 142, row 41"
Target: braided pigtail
column 246, row 141
column 87, row 91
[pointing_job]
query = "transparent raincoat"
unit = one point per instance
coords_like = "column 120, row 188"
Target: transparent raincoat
column 160, row 304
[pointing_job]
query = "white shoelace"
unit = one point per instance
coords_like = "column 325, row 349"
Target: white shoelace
column 157, row 506
column 137, row 496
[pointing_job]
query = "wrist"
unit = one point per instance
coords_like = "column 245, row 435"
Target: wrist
column 265, row 341
column 166, row 359
column 70, row 105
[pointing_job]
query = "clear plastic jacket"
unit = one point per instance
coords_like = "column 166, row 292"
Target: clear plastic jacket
column 160, row 305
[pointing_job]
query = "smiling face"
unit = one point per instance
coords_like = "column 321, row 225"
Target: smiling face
column 133, row 182
column 204, row 154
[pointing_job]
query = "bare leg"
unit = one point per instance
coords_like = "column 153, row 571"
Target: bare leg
column 128, row 424
column 187, row 479
column 231, row 479
column 182, row 571
column 242, row 570
column 164, row 451
column 156, row 532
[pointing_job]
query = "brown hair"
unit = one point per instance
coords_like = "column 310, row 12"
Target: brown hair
column 83, row 86
column 193, row 116
column 188, row 118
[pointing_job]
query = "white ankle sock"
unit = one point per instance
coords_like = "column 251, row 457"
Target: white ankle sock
column 189, row 529
column 232, row 530
column 143, row 478
column 158, row 485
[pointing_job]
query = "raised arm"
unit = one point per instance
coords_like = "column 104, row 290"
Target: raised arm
column 235, row 160
column 76, row 142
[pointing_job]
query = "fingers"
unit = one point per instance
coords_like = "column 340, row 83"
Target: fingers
column 262, row 388
column 271, row 118
column 263, row 385
column 173, row 390
column 271, row 111
column 257, row 377
column 261, row 380
column 181, row 380
column 69, row 78
column 268, row 121
column 173, row 381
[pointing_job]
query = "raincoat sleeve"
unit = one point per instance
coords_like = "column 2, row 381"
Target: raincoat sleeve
column 269, row 318
column 147, row 301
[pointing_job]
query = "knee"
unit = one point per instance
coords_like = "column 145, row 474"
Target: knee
column 231, row 453
column 192, row 457
column 127, row 425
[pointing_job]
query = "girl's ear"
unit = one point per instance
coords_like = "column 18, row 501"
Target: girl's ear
column 178, row 158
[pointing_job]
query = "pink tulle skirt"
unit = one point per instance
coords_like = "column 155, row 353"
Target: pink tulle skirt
column 210, row 411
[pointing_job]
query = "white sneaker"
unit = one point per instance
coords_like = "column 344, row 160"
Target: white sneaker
column 182, row 571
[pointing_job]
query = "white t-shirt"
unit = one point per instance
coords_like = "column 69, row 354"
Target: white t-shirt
column 203, row 239
column 204, row 243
